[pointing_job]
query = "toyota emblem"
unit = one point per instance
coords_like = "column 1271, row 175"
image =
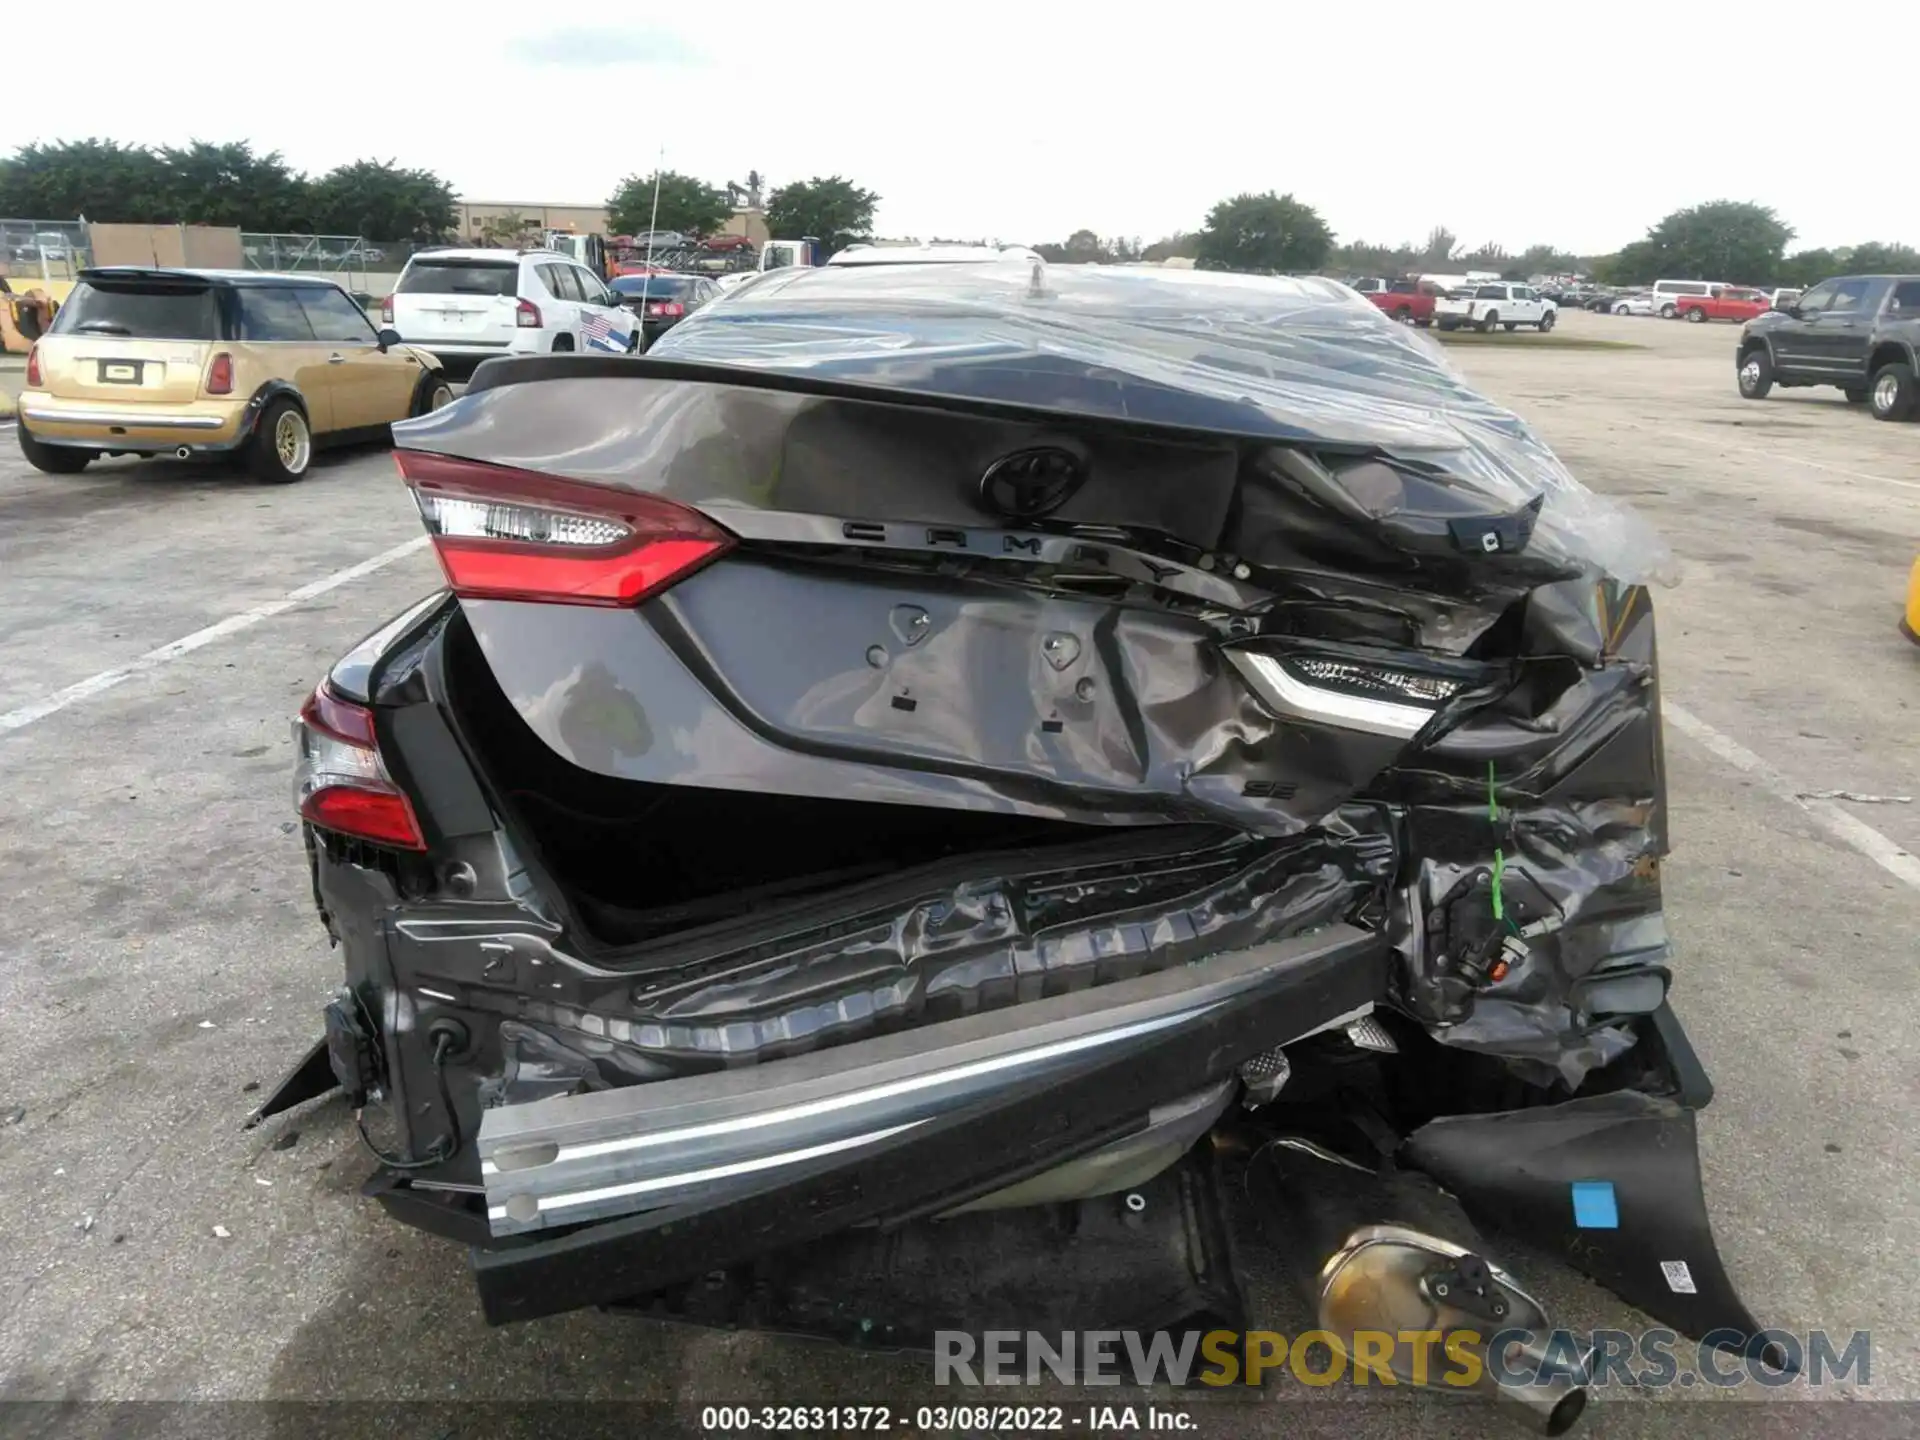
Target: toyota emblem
column 1030, row 483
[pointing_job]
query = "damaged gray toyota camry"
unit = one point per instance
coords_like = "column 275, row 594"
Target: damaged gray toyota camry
column 910, row 778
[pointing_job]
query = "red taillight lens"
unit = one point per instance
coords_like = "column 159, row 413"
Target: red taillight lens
column 526, row 315
column 220, row 375
column 506, row 534
column 666, row 307
column 385, row 819
column 386, row 311
column 341, row 719
column 340, row 782
column 33, row 367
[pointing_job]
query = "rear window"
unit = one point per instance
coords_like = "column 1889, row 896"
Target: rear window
column 1491, row 292
column 460, row 277
column 140, row 312
column 668, row 287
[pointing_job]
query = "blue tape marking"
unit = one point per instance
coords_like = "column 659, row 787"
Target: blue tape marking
column 1594, row 1207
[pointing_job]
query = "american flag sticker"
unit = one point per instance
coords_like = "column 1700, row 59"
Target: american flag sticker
column 599, row 335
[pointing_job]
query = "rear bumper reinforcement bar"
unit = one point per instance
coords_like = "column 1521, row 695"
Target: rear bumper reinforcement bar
column 746, row 1161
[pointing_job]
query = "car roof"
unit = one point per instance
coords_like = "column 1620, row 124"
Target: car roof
column 483, row 252
column 215, row 277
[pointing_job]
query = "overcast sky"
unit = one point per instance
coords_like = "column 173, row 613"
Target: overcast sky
column 1577, row 125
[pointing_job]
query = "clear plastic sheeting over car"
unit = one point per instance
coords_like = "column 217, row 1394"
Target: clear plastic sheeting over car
column 1293, row 360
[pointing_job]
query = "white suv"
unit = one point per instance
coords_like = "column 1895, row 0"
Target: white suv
column 469, row 305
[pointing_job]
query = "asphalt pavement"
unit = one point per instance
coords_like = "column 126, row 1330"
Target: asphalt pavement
column 160, row 959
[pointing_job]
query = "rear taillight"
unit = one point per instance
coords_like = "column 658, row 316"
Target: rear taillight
column 526, row 315
column 386, row 311
column 33, row 367
column 220, row 375
column 506, row 534
column 340, row 783
column 665, row 307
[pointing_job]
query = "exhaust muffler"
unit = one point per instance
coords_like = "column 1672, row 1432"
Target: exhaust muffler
column 1398, row 1277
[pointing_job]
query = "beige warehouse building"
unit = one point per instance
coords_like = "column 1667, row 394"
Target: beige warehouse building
column 478, row 216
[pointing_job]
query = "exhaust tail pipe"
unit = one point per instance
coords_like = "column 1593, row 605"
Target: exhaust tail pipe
column 1398, row 1276
column 183, row 453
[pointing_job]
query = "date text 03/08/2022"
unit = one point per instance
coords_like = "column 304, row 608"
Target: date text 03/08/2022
column 1008, row 1419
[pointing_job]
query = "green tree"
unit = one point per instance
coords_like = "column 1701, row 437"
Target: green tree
column 1360, row 259
column 209, row 184
column 1181, row 245
column 1809, row 267
column 100, row 179
column 1264, row 234
column 1875, row 258
column 1721, row 240
column 1438, row 251
column 690, row 206
column 1640, row 263
column 378, row 200
column 831, row 209
column 1549, row 260
column 1083, row 247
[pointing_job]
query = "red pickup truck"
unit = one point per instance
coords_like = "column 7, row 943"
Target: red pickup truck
column 1726, row 303
column 1408, row 301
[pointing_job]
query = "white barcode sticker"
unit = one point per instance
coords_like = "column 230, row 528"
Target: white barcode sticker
column 1679, row 1277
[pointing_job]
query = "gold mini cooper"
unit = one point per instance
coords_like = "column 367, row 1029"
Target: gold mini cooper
column 215, row 362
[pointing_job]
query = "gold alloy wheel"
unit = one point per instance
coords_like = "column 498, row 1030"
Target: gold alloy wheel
column 292, row 442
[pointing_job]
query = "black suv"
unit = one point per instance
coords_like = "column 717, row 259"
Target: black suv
column 1859, row 332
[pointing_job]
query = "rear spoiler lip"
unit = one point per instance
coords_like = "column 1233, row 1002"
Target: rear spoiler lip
column 522, row 370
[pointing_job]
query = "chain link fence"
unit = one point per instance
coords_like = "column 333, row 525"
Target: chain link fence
column 44, row 249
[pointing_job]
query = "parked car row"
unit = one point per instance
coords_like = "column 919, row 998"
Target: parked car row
column 269, row 368
column 1450, row 303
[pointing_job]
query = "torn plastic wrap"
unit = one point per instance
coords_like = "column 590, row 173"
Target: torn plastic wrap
column 1288, row 360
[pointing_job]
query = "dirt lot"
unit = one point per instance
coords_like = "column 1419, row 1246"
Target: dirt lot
column 160, row 957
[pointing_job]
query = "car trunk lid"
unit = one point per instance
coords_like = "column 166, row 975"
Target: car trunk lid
column 826, row 595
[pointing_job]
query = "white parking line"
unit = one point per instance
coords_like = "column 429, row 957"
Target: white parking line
column 1715, row 443
column 1844, row 827
column 187, row 644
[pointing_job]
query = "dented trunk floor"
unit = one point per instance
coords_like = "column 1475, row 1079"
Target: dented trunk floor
column 160, row 952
